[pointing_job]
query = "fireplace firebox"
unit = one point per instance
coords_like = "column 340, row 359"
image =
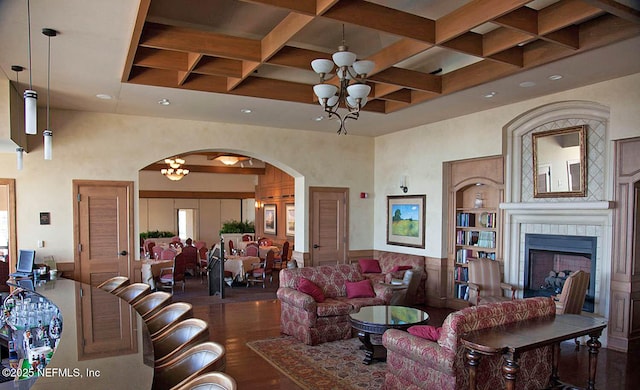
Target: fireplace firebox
column 550, row 259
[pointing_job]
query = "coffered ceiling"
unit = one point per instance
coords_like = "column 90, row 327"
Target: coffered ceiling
column 211, row 59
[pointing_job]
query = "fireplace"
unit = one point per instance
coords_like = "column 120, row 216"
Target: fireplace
column 550, row 259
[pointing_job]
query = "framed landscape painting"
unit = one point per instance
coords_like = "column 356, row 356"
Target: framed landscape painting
column 270, row 219
column 290, row 219
column 406, row 220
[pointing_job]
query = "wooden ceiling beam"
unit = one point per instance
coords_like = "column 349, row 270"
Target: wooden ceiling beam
column 616, row 8
column 189, row 40
column 403, row 95
column 192, row 62
column 138, row 27
column 301, row 6
column 523, row 19
column 467, row 43
column 475, row 74
column 472, row 15
column 409, row 79
column 219, row 67
column 512, row 56
column 568, row 36
column 274, row 89
column 502, row 39
column 564, row 13
column 397, row 52
column 366, row 14
column 380, row 89
column 294, row 57
column 162, row 59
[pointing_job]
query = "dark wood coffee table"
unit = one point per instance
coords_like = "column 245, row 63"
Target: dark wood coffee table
column 375, row 320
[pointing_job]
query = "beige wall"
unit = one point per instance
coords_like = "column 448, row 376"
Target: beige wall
column 420, row 152
column 114, row 147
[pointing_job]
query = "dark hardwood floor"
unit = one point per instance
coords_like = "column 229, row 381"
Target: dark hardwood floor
column 240, row 318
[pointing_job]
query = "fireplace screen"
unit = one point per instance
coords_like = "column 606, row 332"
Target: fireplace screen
column 550, row 259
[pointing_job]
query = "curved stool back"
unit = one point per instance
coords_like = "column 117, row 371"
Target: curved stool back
column 179, row 338
column 167, row 317
column 134, row 292
column 152, row 303
column 197, row 360
column 114, row 284
column 210, row 381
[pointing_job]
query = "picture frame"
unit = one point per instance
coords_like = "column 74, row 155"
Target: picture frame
column 406, row 220
column 45, row 218
column 270, row 219
column 290, row 219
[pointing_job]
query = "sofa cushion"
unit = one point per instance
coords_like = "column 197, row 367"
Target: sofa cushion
column 370, row 266
column 398, row 268
column 308, row 287
column 428, row 332
column 361, row 289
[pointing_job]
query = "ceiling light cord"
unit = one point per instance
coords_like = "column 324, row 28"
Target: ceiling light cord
column 29, row 42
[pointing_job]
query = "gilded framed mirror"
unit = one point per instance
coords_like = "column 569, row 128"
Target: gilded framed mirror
column 560, row 163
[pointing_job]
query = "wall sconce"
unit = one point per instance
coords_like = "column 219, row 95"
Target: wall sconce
column 403, row 184
column 259, row 204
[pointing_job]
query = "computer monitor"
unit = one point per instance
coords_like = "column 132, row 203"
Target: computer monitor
column 24, row 267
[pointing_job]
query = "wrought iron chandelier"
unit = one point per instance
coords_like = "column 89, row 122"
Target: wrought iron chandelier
column 174, row 172
column 352, row 90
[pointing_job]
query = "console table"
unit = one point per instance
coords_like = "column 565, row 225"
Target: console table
column 512, row 339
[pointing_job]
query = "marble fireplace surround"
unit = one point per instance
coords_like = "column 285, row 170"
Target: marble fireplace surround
column 589, row 216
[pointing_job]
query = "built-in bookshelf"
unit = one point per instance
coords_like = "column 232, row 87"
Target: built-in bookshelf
column 476, row 192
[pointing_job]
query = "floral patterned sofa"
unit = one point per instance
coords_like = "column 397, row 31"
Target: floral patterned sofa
column 417, row 363
column 314, row 322
column 390, row 261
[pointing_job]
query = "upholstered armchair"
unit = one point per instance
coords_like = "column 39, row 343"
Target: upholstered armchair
column 574, row 291
column 485, row 283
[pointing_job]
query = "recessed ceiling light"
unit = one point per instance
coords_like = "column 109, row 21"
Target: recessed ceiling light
column 527, row 84
column 104, row 96
column 318, row 118
column 555, row 77
column 246, row 111
column 490, row 94
column 164, row 102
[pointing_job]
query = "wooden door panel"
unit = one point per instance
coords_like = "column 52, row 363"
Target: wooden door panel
column 329, row 226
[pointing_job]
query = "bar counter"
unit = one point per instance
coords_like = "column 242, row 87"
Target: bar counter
column 104, row 342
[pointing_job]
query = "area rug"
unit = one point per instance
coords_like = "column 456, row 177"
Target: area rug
column 334, row 365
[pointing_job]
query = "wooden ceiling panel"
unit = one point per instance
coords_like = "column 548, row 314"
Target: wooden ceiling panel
column 221, row 59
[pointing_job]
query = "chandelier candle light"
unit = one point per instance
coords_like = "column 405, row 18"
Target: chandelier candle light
column 174, row 172
column 352, row 92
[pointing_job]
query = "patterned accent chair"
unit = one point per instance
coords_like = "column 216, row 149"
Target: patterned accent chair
column 417, row 363
column 389, row 260
column 314, row 322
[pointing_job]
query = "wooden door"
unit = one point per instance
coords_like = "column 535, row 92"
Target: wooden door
column 103, row 224
column 329, row 225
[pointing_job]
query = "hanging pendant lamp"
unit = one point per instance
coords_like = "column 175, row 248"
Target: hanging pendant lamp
column 48, row 134
column 30, row 96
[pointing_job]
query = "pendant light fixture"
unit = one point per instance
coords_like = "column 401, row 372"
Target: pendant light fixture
column 30, row 96
column 48, row 134
column 19, row 149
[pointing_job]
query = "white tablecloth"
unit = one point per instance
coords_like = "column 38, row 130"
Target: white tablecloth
column 238, row 265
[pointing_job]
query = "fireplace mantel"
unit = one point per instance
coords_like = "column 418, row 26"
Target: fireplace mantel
column 600, row 205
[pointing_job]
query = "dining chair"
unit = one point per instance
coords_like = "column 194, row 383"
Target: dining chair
column 210, row 381
column 168, row 254
column 169, row 276
column 252, row 249
column 178, row 338
column 265, row 242
column 197, row 360
column 200, row 244
column 150, row 304
column 156, row 250
column 485, row 284
column 148, row 248
column 114, row 284
column 134, row 292
column 230, row 246
column 280, row 260
column 260, row 271
column 247, row 237
column 191, row 257
column 168, row 316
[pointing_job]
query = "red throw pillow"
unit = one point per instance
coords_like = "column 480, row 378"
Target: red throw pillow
column 428, row 332
column 308, row 287
column 370, row 266
column 401, row 268
column 361, row 289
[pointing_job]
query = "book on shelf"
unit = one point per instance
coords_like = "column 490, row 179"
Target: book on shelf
column 461, row 274
column 462, row 292
column 466, row 219
column 487, row 239
column 486, row 255
column 463, row 255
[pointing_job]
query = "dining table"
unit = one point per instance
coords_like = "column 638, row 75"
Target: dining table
column 238, row 265
column 262, row 250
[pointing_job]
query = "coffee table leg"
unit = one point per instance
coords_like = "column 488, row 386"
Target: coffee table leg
column 510, row 370
column 555, row 379
column 594, row 346
column 371, row 351
column 473, row 361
